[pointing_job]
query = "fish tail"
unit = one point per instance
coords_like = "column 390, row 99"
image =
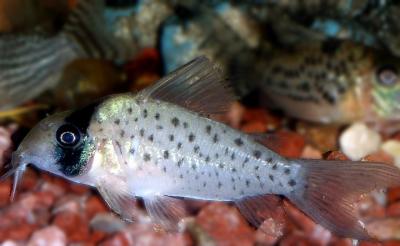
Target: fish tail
column 328, row 190
column 87, row 26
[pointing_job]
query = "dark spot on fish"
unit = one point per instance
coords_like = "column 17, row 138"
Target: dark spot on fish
column 257, row 154
column 207, row 158
column 196, row 149
column 146, row 157
column 233, row 156
column 221, row 165
column 180, row 162
column 247, row 182
column 122, row 133
column 181, row 176
column 132, row 151
column 141, row 132
column 216, row 155
column 136, row 119
column 219, row 185
column 256, row 168
column 117, row 121
column 171, row 137
column 234, row 187
column 275, row 166
column 258, row 177
column 196, row 177
column 166, row 154
column 292, row 182
column 130, row 110
column 208, row 129
column 144, row 113
column 101, row 129
column 226, row 151
column 233, row 170
column 164, row 169
column 179, row 145
column 269, row 160
column 204, row 184
column 215, row 138
column 271, row 177
column 194, row 166
column 175, row 122
column 245, row 161
column 132, row 136
column 191, row 137
column 185, row 125
column 159, row 127
column 157, row 116
column 151, row 138
column 239, row 142
column 287, row 171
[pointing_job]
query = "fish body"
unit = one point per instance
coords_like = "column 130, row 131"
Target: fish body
column 31, row 63
column 333, row 82
column 162, row 145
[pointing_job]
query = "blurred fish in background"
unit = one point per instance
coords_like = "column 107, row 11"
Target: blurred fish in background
column 33, row 62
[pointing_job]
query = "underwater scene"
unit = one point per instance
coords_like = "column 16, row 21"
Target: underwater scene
column 150, row 122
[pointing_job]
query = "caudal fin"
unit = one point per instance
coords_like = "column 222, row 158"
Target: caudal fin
column 331, row 188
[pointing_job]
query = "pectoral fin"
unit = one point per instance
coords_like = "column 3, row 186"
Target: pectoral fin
column 118, row 198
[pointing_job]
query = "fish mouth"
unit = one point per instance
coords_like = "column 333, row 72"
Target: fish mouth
column 17, row 169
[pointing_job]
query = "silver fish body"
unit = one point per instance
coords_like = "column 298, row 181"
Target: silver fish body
column 162, row 145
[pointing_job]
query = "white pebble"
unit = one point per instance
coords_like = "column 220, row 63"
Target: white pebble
column 50, row 236
column 358, row 141
column 392, row 147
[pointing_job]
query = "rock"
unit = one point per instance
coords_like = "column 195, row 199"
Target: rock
column 146, row 235
column 384, row 229
column 50, row 235
column 392, row 147
column 358, row 140
column 75, row 225
column 310, row 152
column 107, row 222
column 321, row 137
column 95, row 205
column 221, row 222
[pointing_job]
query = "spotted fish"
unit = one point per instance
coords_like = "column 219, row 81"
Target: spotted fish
column 332, row 82
column 31, row 63
column 162, row 145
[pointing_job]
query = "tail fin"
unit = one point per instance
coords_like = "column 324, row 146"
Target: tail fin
column 86, row 25
column 332, row 187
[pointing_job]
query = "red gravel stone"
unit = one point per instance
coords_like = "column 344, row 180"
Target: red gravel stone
column 221, row 221
column 335, row 155
column 95, row 205
column 50, row 235
column 74, row 225
column 393, row 194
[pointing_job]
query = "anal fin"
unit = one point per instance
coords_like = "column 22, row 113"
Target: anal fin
column 165, row 211
column 257, row 209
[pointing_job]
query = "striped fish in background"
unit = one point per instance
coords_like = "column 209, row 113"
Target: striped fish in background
column 31, row 63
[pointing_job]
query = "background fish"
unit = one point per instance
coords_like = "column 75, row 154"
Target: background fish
column 31, row 63
column 159, row 146
column 332, row 82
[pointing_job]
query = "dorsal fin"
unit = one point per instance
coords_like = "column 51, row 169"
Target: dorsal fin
column 198, row 86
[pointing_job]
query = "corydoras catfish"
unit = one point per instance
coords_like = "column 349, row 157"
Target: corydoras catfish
column 160, row 145
column 332, row 82
column 31, row 63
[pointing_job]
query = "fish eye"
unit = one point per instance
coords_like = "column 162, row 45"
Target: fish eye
column 68, row 135
column 387, row 75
